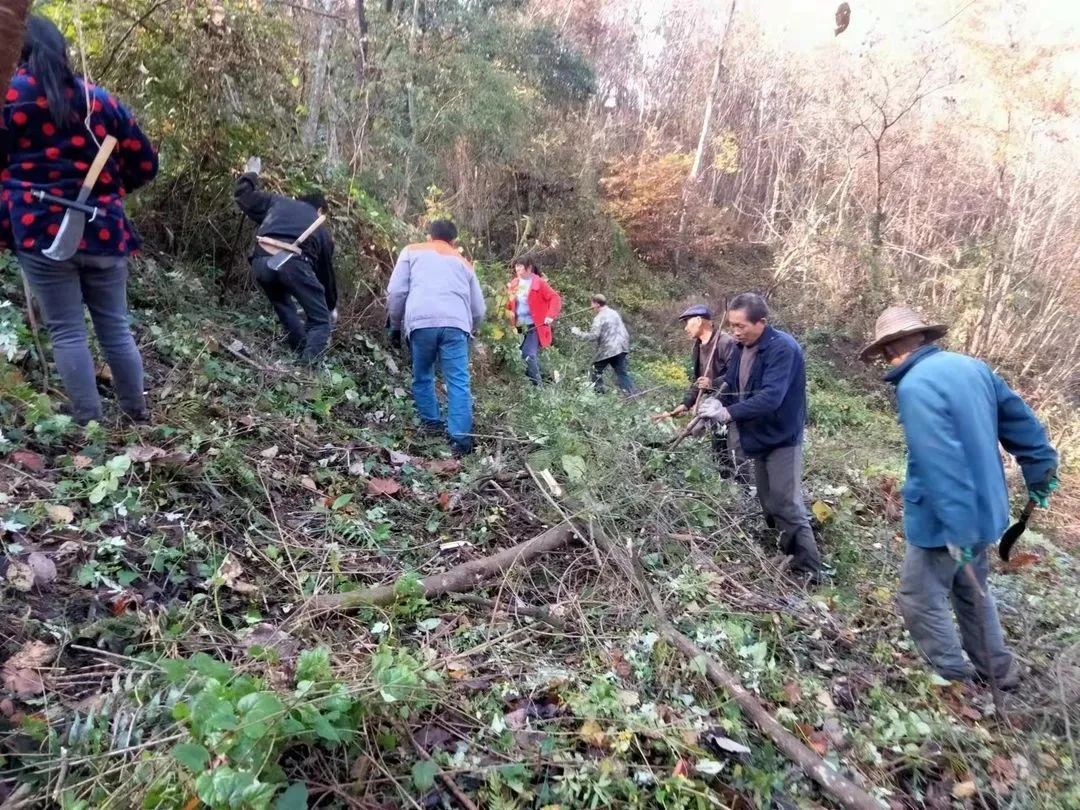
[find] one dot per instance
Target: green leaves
(423, 774)
(294, 798)
(575, 468)
(192, 755)
(314, 665)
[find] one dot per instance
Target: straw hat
(899, 322)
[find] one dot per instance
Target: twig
(548, 497)
(540, 614)
(445, 778)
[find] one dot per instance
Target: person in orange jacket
(534, 305)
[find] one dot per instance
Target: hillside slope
(160, 648)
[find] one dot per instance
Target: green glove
(1041, 493)
(962, 554)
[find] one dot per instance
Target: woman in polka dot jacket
(53, 122)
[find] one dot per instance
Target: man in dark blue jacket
(767, 381)
(955, 413)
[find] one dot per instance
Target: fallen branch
(460, 578)
(442, 776)
(541, 614)
(843, 790)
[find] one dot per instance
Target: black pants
(620, 365)
(296, 283)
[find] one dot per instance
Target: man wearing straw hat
(955, 412)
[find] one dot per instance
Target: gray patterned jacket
(609, 334)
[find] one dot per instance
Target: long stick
(463, 577)
(32, 317)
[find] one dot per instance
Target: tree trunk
(12, 22)
(362, 43)
(318, 76)
(410, 101)
(703, 138)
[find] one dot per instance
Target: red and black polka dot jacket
(36, 154)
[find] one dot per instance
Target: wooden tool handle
(97, 166)
(314, 226)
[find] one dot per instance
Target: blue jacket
(955, 411)
(773, 413)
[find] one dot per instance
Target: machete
(278, 261)
(66, 243)
(1012, 534)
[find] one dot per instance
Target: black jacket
(284, 218)
(720, 360)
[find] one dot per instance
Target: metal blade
(277, 261)
(66, 242)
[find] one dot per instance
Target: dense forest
(237, 606)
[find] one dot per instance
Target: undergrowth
(169, 660)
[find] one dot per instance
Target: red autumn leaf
(29, 461)
(444, 501)
(443, 466)
(792, 693)
(682, 768)
(1021, 560)
(383, 486)
(819, 742)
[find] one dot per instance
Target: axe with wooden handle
(67, 239)
(278, 261)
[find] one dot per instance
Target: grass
(182, 671)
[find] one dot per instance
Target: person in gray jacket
(612, 341)
(435, 299)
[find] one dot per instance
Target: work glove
(254, 165)
(395, 338)
(576, 332)
(334, 315)
(713, 411)
(549, 321)
(1041, 493)
(962, 554)
(698, 426)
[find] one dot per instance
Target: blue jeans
(99, 283)
(530, 353)
(450, 347)
(620, 365)
(297, 280)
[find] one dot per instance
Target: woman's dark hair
(44, 52)
(530, 264)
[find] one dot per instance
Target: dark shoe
(138, 418)
(460, 449)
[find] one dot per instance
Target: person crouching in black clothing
(307, 279)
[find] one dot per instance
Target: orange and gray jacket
(434, 286)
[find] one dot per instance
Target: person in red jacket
(53, 122)
(534, 305)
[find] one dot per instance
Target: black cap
(697, 311)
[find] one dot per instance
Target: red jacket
(544, 302)
(35, 154)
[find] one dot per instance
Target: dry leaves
(270, 452)
(443, 466)
(144, 452)
(592, 733)
(58, 513)
(383, 487)
(1019, 561)
(964, 790)
(229, 574)
(81, 462)
(21, 672)
(792, 693)
(308, 483)
(29, 461)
